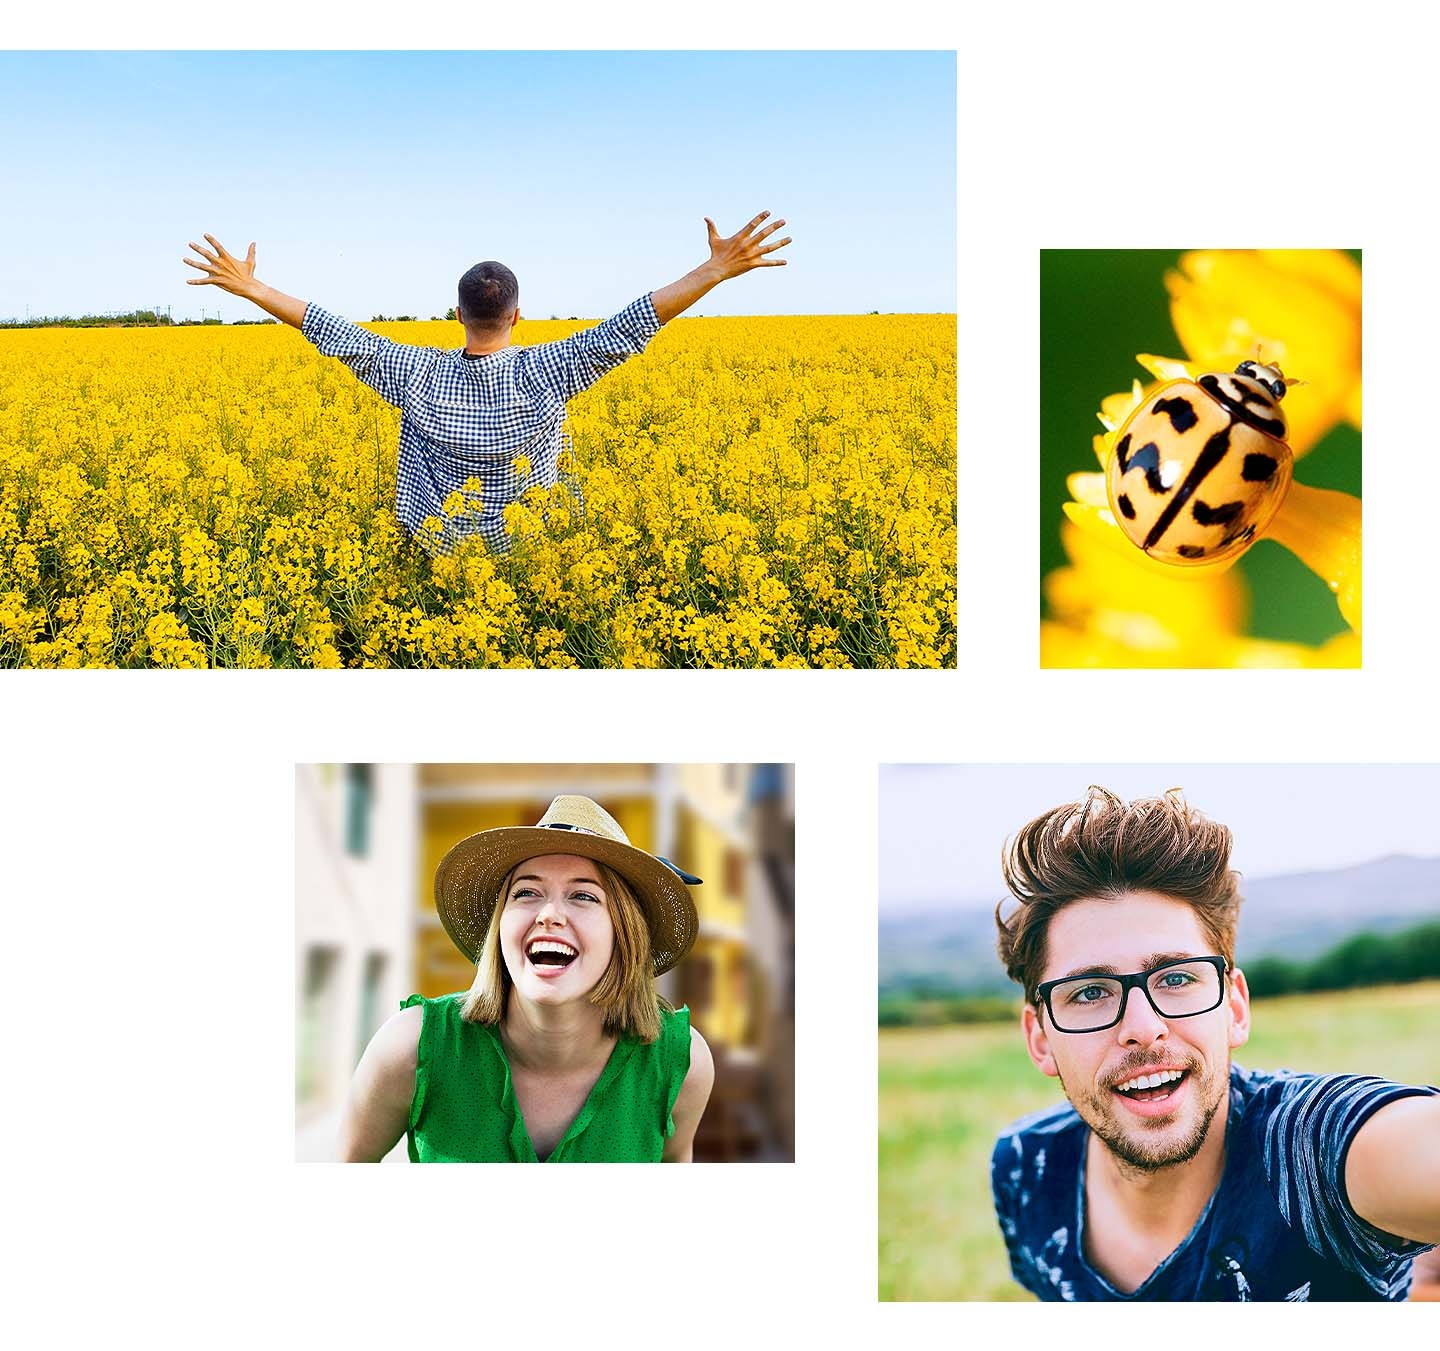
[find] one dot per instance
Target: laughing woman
(561, 1051)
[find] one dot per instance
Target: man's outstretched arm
(237, 276)
(1392, 1171)
(386, 366)
(730, 257)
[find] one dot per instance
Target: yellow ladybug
(1201, 467)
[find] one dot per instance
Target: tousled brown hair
(1105, 847)
(627, 989)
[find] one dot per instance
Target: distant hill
(1297, 915)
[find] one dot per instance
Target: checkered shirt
(467, 418)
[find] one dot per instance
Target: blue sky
(371, 181)
(942, 826)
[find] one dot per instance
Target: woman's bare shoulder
(701, 1076)
(395, 1048)
(381, 1091)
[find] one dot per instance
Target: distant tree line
(928, 1008)
(130, 319)
(1366, 959)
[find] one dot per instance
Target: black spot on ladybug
(1259, 468)
(1127, 508)
(1215, 451)
(1248, 533)
(1221, 515)
(1146, 459)
(1191, 551)
(1180, 411)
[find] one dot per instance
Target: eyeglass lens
(1090, 1002)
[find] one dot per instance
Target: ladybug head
(1267, 375)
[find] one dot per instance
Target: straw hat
(469, 878)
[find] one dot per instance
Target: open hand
(741, 252)
(222, 268)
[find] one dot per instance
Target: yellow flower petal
(1301, 311)
(1115, 408)
(1088, 490)
(1322, 528)
(1330, 269)
(1100, 524)
(1352, 406)
(1341, 652)
(1139, 602)
(1065, 647)
(1170, 368)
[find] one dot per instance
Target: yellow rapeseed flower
(751, 492)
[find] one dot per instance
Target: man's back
(1278, 1226)
(495, 419)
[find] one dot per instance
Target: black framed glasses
(1178, 989)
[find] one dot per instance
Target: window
(359, 801)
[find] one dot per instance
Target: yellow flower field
(756, 492)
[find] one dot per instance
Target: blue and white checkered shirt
(471, 417)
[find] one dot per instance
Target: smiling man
(1173, 1174)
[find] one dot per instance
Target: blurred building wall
(355, 842)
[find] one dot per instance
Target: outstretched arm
(237, 276)
(1392, 1172)
(386, 366)
(730, 257)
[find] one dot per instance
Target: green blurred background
(1098, 308)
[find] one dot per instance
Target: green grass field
(946, 1093)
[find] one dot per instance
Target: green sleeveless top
(464, 1109)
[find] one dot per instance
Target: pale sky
(942, 826)
(371, 180)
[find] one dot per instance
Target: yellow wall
(703, 851)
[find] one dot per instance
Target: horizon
(381, 215)
(61, 320)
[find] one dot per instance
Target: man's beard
(1099, 1113)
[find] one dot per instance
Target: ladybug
(1201, 467)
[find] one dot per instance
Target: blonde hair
(627, 989)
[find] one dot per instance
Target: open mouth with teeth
(550, 956)
(1153, 1093)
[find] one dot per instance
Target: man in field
(1173, 1174)
(486, 411)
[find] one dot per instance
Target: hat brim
(469, 878)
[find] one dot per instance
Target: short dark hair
(1103, 847)
(489, 294)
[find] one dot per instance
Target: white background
(147, 872)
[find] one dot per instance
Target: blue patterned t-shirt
(1278, 1227)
